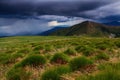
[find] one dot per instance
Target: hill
(45, 33)
(88, 28)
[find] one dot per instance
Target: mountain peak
(89, 22)
(86, 27)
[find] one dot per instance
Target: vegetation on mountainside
(88, 28)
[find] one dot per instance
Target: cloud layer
(35, 16)
(49, 7)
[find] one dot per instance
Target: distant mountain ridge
(113, 23)
(87, 28)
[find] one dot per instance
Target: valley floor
(59, 58)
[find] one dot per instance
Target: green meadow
(59, 58)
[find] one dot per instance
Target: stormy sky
(35, 16)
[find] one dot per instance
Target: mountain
(45, 33)
(113, 23)
(88, 28)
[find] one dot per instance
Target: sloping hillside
(87, 28)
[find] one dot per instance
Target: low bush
(9, 51)
(102, 46)
(63, 69)
(117, 44)
(70, 51)
(54, 74)
(4, 58)
(60, 58)
(86, 50)
(48, 56)
(102, 56)
(50, 75)
(35, 52)
(108, 74)
(25, 50)
(17, 55)
(37, 48)
(9, 58)
(18, 74)
(49, 48)
(79, 62)
(79, 48)
(109, 66)
(33, 60)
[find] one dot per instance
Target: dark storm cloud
(35, 16)
(48, 7)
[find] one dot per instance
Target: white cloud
(54, 17)
(53, 23)
(67, 23)
(55, 20)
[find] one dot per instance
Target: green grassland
(59, 58)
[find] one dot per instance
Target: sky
(19, 17)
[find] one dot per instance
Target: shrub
(86, 50)
(25, 50)
(79, 62)
(9, 51)
(17, 55)
(54, 74)
(48, 56)
(104, 75)
(107, 75)
(60, 58)
(50, 75)
(79, 48)
(37, 48)
(109, 71)
(102, 46)
(117, 44)
(9, 58)
(17, 74)
(70, 51)
(58, 46)
(63, 69)
(4, 58)
(33, 60)
(109, 66)
(75, 43)
(48, 48)
(35, 52)
(102, 56)
(33, 44)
